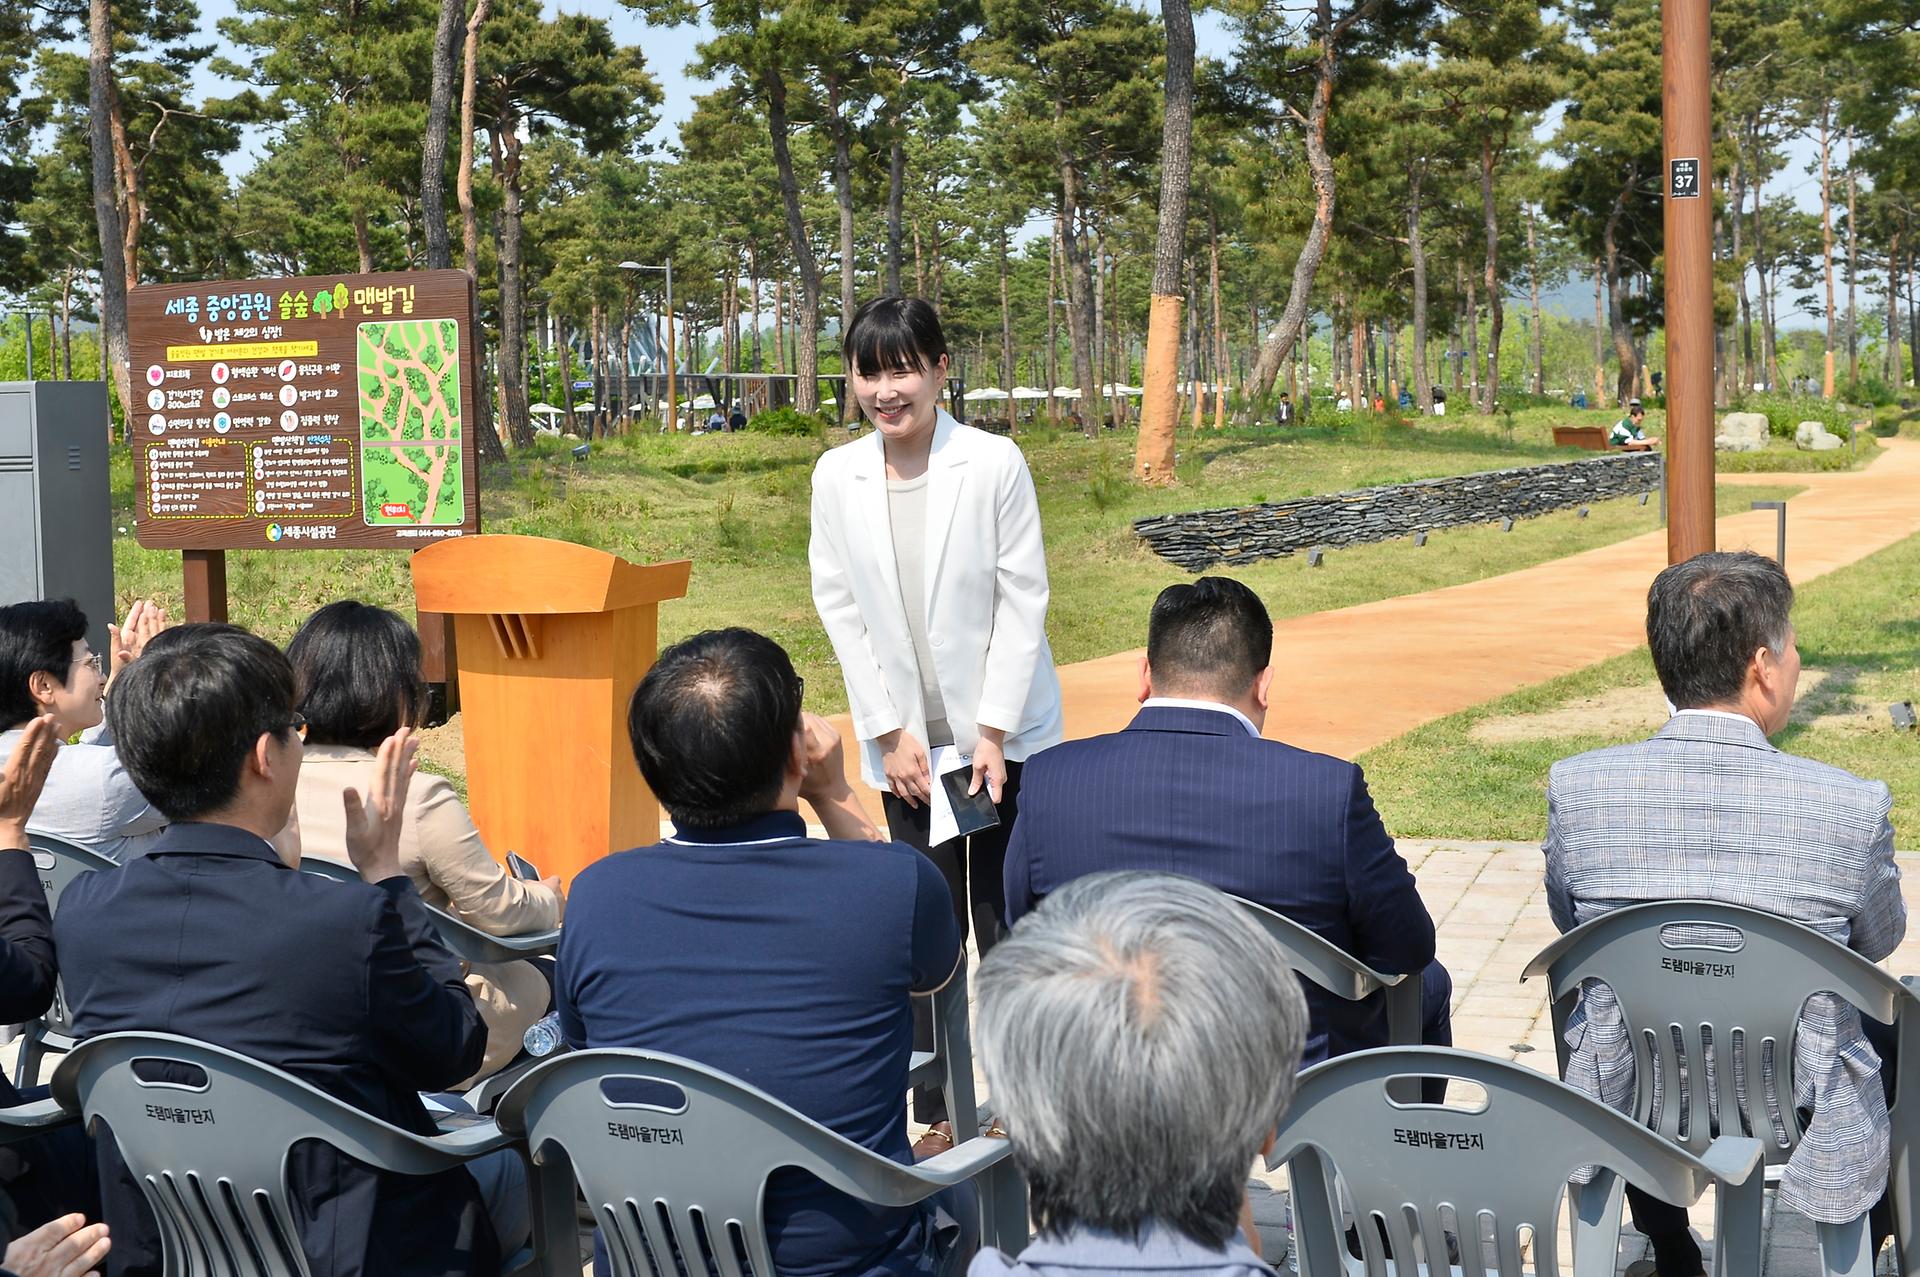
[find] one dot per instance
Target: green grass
(1859, 625)
(738, 506)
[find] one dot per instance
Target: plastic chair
(1424, 1175)
(462, 937)
(1739, 988)
(59, 863)
(1313, 957)
(688, 1174)
(211, 1158)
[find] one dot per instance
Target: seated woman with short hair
(357, 672)
(47, 667)
(1140, 1037)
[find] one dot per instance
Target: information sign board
(328, 410)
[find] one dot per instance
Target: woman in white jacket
(931, 580)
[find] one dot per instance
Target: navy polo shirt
(787, 961)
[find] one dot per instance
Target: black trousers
(974, 867)
(1663, 1221)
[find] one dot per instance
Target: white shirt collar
(1716, 713)
(1175, 702)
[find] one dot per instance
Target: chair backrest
(59, 863)
(1711, 994)
(462, 937)
(1422, 1171)
(210, 1151)
(683, 1166)
(1317, 959)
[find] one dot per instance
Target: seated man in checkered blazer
(1709, 810)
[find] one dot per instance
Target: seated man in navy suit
(211, 935)
(1191, 788)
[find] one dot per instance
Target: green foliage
(1784, 413)
(791, 423)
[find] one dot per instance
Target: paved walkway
(1361, 676)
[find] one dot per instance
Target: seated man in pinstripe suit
(1709, 810)
(1190, 787)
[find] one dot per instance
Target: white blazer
(986, 594)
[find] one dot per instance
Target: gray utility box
(56, 518)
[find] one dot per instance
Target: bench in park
(1592, 438)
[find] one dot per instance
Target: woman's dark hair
(712, 727)
(899, 334)
(185, 715)
(35, 637)
(1707, 616)
(356, 671)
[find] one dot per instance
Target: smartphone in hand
(971, 812)
(521, 867)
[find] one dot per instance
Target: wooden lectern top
(498, 574)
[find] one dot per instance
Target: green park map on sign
(409, 375)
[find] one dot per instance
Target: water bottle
(544, 1037)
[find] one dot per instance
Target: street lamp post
(1687, 120)
(673, 389)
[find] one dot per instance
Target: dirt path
(1355, 678)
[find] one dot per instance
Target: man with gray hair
(1709, 810)
(1140, 1037)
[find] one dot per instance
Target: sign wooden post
(325, 412)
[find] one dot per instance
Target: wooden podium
(552, 638)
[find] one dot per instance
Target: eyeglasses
(298, 726)
(94, 659)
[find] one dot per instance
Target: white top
(984, 587)
(89, 799)
(907, 513)
(1176, 702)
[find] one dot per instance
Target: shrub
(790, 422)
(1784, 413)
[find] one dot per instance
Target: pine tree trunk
(433, 144)
(513, 337)
(1159, 399)
(1496, 306)
(1079, 293)
(1744, 356)
(1417, 252)
(843, 196)
(1895, 365)
(896, 198)
(806, 396)
(1826, 236)
(1006, 334)
(1853, 262)
(1616, 309)
(1053, 323)
(113, 270)
(488, 430)
(1599, 335)
(1473, 342)
(1538, 351)
(1219, 324)
(1307, 265)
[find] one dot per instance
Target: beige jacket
(451, 868)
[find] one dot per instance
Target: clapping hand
(374, 819)
(24, 777)
(128, 640)
(65, 1247)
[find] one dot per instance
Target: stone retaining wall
(1205, 538)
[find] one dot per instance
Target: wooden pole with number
(1687, 126)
